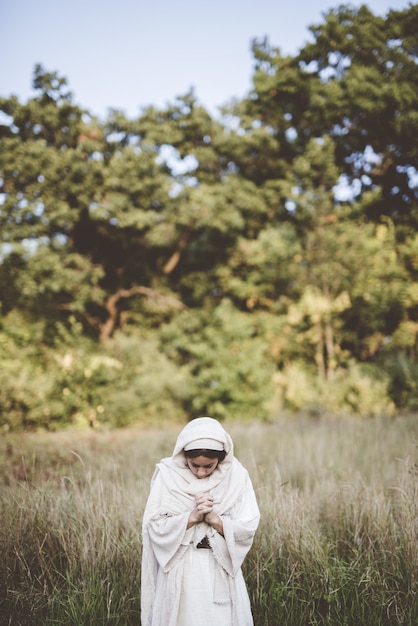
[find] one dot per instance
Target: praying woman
(199, 524)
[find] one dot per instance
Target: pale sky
(128, 54)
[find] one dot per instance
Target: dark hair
(210, 454)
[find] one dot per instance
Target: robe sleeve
(164, 539)
(167, 531)
(168, 535)
(239, 527)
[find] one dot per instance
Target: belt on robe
(204, 543)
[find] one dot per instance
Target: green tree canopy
(237, 266)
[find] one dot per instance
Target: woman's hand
(215, 521)
(203, 506)
(203, 512)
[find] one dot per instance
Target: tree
(281, 237)
(77, 210)
(332, 114)
(356, 83)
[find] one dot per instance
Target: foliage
(187, 264)
(357, 390)
(229, 369)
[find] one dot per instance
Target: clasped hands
(203, 512)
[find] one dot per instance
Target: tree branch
(107, 329)
(175, 257)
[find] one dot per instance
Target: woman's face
(202, 466)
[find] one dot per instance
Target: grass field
(337, 543)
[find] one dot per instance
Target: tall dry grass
(337, 543)
(338, 537)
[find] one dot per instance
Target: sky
(129, 54)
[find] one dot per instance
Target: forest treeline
(180, 264)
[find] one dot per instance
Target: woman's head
(202, 462)
(206, 437)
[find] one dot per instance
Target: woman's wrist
(215, 521)
(195, 517)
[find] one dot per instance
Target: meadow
(337, 542)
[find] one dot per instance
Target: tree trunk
(109, 326)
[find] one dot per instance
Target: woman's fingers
(203, 499)
(205, 506)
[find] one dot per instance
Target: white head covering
(204, 444)
(197, 429)
(203, 433)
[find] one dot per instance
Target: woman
(198, 526)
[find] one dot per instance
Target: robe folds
(182, 585)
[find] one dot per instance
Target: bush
(358, 390)
(227, 361)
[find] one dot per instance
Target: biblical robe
(183, 585)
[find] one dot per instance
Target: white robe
(182, 585)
